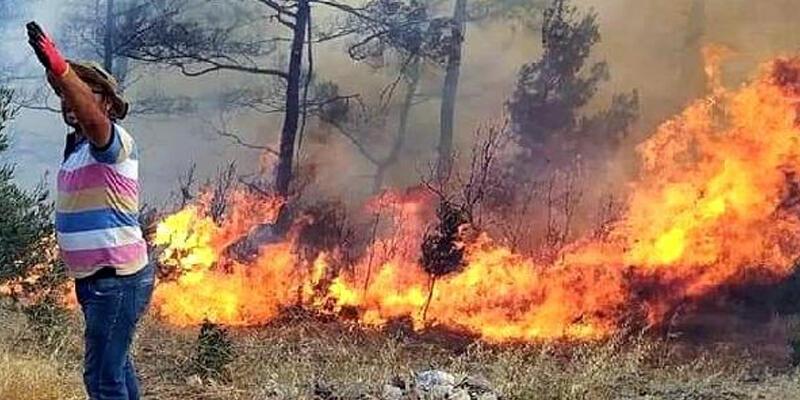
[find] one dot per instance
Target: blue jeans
(112, 305)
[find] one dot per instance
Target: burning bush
(324, 227)
(443, 249)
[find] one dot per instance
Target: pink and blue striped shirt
(97, 208)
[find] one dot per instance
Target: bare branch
(277, 7)
(38, 107)
(240, 142)
(175, 60)
(223, 131)
(358, 145)
(357, 11)
(231, 67)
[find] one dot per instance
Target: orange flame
(707, 209)
(195, 244)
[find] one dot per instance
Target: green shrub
(214, 353)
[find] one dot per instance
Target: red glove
(46, 51)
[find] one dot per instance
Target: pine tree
(25, 215)
(545, 108)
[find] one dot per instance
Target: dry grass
(33, 370)
(285, 360)
(29, 378)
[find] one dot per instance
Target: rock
(426, 380)
(271, 390)
(194, 381)
(435, 385)
(476, 384)
(359, 391)
(391, 393)
(324, 391)
(404, 382)
(438, 385)
(458, 394)
(440, 392)
(479, 388)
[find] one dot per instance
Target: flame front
(709, 209)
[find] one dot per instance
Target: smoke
(650, 46)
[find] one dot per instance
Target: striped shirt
(97, 209)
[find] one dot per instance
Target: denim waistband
(111, 272)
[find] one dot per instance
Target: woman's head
(102, 84)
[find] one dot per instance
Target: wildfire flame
(708, 209)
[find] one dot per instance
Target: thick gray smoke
(650, 46)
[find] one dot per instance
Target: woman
(97, 226)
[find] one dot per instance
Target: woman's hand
(46, 51)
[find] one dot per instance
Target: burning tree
(691, 78)
(421, 39)
(545, 107)
(559, 144)
(404, 33)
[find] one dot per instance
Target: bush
(49, 320)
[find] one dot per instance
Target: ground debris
(327, 391)
(439, 385)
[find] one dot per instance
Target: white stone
(194, 381)
(458, 394)
(428, 379)
(391, 393)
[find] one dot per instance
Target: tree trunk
(431, 287)
(127, 15)
(292, 115)
(450, 88)
(692, 76)
(108, 40)
(400, 139)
